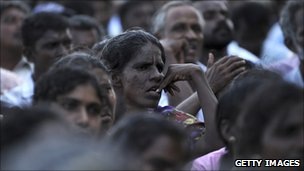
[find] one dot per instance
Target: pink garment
(210, 161)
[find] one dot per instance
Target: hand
(220, 73)
(178, 72)
(175, 49)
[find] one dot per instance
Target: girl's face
(141, 78)
(283, 137)
(83, 108)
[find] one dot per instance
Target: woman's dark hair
(134, 134)
(63, 80)
(119, 50)
(20, 124)
(81, 60)
(231, 102)
(271, 100)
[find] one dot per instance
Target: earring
(232, 139)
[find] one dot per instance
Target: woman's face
(83, 108)
(141, 78)
(284, 135)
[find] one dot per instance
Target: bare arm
(207, 101)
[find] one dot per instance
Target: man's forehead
(211, 5)
(181, 11)
(56, 34)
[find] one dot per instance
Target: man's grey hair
(159, 19)
(287, 18)
(22, 6)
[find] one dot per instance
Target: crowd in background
(151, 85)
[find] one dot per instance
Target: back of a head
(138, 131)
(269, 102)
(231, 102)
(20, 124)
(251, 14)
(36, 25)
(120, 49)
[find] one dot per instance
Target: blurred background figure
(85, 31)
(12, 14)
(218, 28)
(136, 14)
(46, 38)
(146, 141)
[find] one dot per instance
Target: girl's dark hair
(271, 100)
(231, 102)
(119, 50)
(81, 60)
(61, 81)
(135, 134)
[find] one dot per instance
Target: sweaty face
(164, 154)
(49, 48)
(218, 26)
(83, 108)
(141, 78)
(183, 23)
(86, 38)
(10, 27)
(283, 137)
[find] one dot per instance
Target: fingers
(237, 71)
(236, 65)
(210, 60)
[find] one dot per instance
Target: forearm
(190, 105)
(179, 97)
(208, 103)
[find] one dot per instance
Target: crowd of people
(151, 85)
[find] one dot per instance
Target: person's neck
(10, 57)
(218, 53)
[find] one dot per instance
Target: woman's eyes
(143, 67)
(94, 109)
(69, 105)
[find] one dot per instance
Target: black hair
(4, 5)
(271, 100)
(83, 22)
(252, 13)
(35, 26)
(119, 50)
(287, 17)
(18, 124)
(231, 102)
(63, 80)
(82, 60)
(134, 134)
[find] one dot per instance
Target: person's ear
(116, 80)
(227, 132)
(289, 44)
